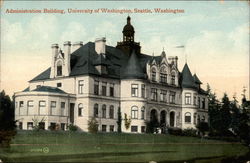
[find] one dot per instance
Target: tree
(119, 121)
(213, 111)
(7, 122)
(93, 125)
(225, 115)
(202, 127)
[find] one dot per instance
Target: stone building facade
(95, 80)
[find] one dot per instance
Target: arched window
(104, 111)
(195, 116)
(59, 68)
(134, 112)
(143, 112)
(153, 74)
(96, 110)
(203, 118)
(187, 117)
(163, 75)
(80, 109)
(111, 112)
(173, 78)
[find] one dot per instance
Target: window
(195, 116)
(59, 84)
(80, 86)
(96, 110)
(30, 105)
(203, 103)
(153, 74)
(62, 108)
(134, 90)
(203, 118)
(143, 129)
(63, 126)
(38, 86)
(104, 111)
(163, 75)
(52, 126)
(194, 103)
(143, 113)
(59, 69)
(41, 125)
(20, 126)
(134, 112)
(153, 94)
(96, 87)
(188, 98)
(104, 128)
(173, 78)
(80, 110)
(111, 128)
(104, 88)
(199, 102)
(163, 96)
(20, 103)
(111, 112)
(42, 107)
(172, 97)
(53, 108)
(29, 125)
(111, 90)
(143, 91)
(134, 128)
(187, 117)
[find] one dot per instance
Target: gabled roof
(49, 89)
(133, 69)
(196, 79)
(187, 78)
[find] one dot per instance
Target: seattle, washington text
(95, 11)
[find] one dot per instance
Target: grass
(83, 147)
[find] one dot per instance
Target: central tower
(128, 44)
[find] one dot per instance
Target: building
(95, 80)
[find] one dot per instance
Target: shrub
(72, 127)
(93, 125)
(202, 127)
(189, 132)
(174, 131)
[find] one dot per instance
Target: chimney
(55, 52)
(100, 45)
(174, 60)
(67, 52)
(77, 45)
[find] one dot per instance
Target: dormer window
(173, 78)
(163, 75)
(59, 69)
(153, 74)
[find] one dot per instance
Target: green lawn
(83, 147)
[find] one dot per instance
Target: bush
(93, 125)
(202, 127)
(72, 127)
(175, 131)
(189, 132)
(5, 137)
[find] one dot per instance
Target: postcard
(124, 81)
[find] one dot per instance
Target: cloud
(11, 33)
(109, 30)
(74, 32)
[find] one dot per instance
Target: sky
(215, 36)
